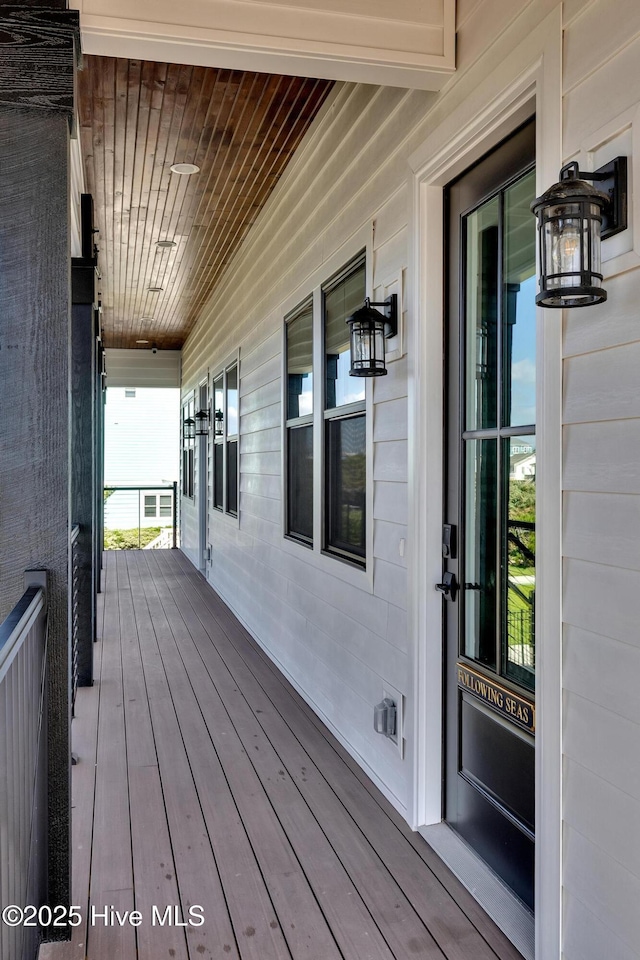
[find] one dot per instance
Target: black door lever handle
(448, 587)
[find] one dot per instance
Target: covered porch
(204, 780)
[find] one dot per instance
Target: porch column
(38, 47)
(84, 332)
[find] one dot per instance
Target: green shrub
(128, 539)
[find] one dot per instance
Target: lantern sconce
(217, 424)
(573, 217)
(189, 429)
(202, 423)
(368, 330)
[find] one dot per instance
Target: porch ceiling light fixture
(573, 217)
(184, 169)
(218, 428)
(189, 428)
(155, 289)
(368, 330)
(166, 244)
(202, 423)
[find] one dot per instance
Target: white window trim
(528, 78)
(329, 563)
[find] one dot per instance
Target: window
(339, 432)
(218, 442)
(188, 410)
(225, 441)
(151, 505)
(345, 475)
(299, 425)
(232, 418)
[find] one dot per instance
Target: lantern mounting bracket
(390, 318)
(612, 180)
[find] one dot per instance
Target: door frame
(489, 103)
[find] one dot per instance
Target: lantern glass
(367, 346)
(202, 423)
(218, 428)
(570, 224)
(189, 429)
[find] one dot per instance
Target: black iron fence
(73, 614)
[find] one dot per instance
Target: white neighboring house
(142, 429)
(523, 466)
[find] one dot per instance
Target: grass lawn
(128, 539)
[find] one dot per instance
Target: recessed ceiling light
(166, 243)
(154, 289)
(142, 341)
(186, 169)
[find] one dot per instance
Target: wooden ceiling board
(136, 119)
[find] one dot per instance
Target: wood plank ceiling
(137, 118)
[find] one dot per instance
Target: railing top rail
(152, 486)
(17, 625)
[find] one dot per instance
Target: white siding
(143, 368)
(602, 520)
(141, 437)
(338, 633)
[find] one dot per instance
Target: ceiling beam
(408, 43)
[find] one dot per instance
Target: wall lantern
(217, 424)
(368, 329)
(189, 428)
(573, 217)
(202, 423)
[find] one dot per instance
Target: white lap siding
(602, 521)
(340, 635)
(338, 642)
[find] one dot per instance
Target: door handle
(449, 586)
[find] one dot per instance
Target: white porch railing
(23, 764)
(164, 540)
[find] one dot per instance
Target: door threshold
(505, 909)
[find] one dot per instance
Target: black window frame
(297, 423)
(331, 542)
(226, 446)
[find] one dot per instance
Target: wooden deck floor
(204, 779)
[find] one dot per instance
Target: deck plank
(443, 915)
(296, 909)
(353, 887)
(248, 902)
(195, 865)
(111, 863)
(204, 778)
(153, 865)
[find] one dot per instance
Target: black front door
(489, 533)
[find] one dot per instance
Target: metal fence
(134, 514)
(23, 765)
(73, 615)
